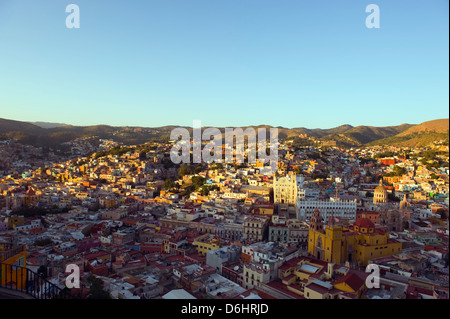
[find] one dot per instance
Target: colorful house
(206, 243)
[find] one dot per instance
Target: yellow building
(255, 274)
(14, 221)
(285, 190)
(357, 244)
(259, 164)
(265, 210)
(351, 284)
(12, 266)
(205, 243)
(31, 197)
(298, 272)
(109, 202)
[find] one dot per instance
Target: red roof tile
(352, 280)
(364, 222)
(317, 288)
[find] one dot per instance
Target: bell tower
(316, 221)
(315, 234)
(404, 203)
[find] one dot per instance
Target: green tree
(198, 169)
(396, 171)
(205, 190)
(216, 166)
(169, 184)
(167, 163)
(184, 170)
(197, 181)
(43, 242)
(97, 290)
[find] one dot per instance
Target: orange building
(374, 217)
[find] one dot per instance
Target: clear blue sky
(286, 63)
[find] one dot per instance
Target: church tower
(316, 236)
(316, 221)
(404, 203)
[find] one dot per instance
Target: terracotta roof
(364, 222)
(317, 288)
(352, 280)
(289, 277)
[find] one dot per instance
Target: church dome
(380, 188)
(380, 194)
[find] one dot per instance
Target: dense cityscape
(141, 227)
(224, 158)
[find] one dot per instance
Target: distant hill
(413, 140)
(436, 126)
(48, 124)
(419, 135)
(18, 126)
(24, 132)
(53, 134)
(28, 133)
(367, 134)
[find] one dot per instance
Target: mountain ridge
(344, 135)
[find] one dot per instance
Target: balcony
(17, 282)
(22, 283)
